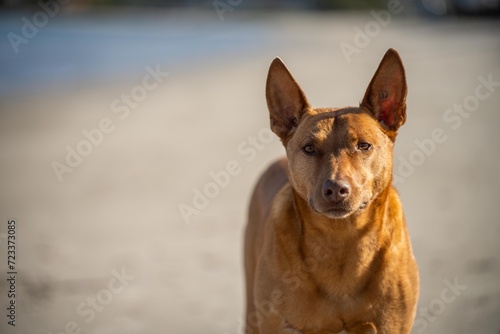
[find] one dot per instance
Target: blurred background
(132, 132)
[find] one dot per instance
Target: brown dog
(326, 246)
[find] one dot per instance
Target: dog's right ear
(285, 100)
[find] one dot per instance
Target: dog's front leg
(364, 328)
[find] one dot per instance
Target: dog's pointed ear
(385, 97)
(285, 100)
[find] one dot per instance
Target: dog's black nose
(336, 191)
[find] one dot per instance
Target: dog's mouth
(338, 211)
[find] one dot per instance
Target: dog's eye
(362, 146)
(309, 149)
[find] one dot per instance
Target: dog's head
(340, 159)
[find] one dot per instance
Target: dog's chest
(314, 307)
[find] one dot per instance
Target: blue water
(77, 48)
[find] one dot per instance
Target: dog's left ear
(385, 97)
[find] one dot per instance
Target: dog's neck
(319, 233)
